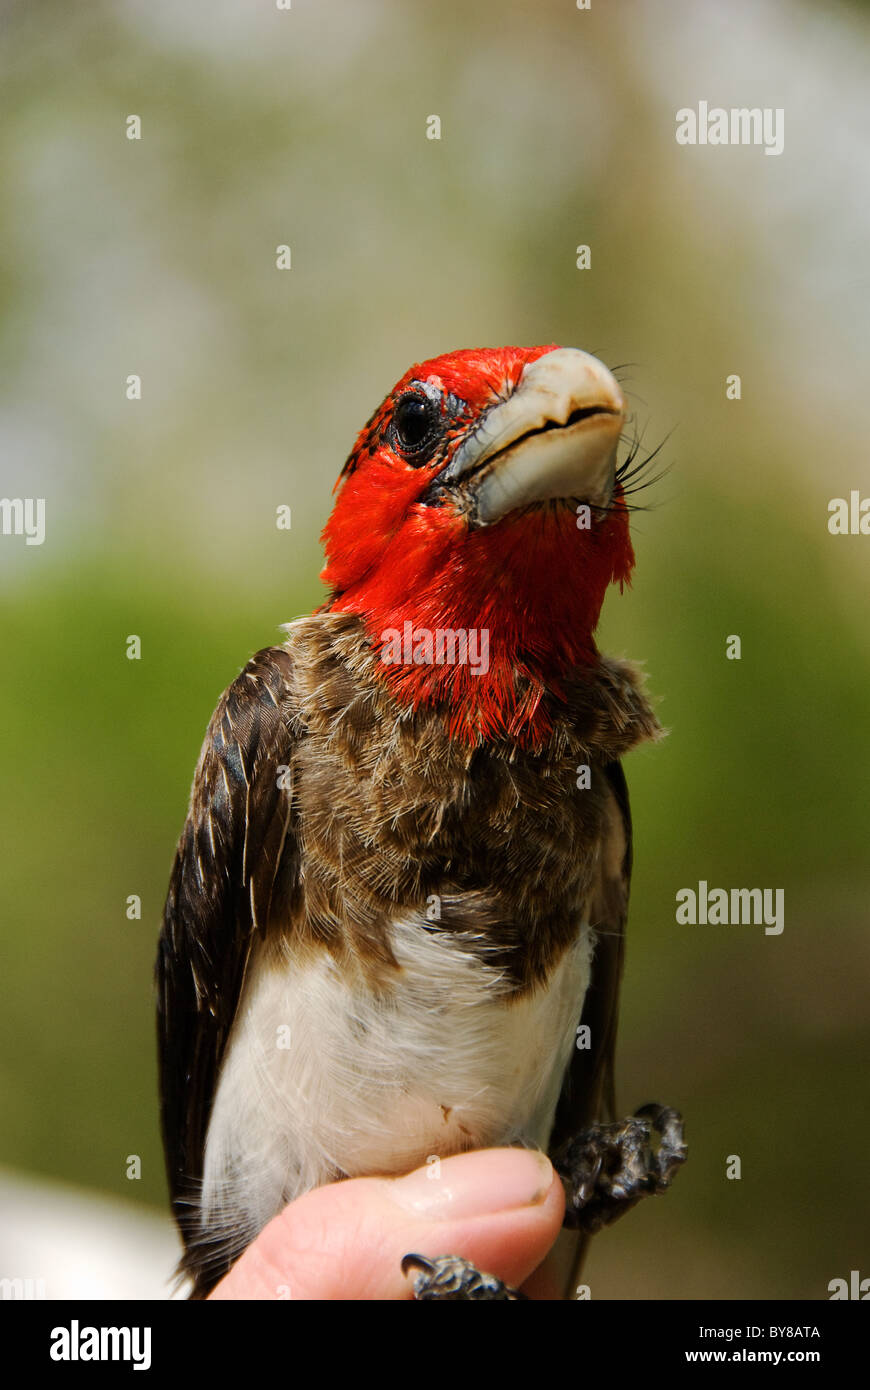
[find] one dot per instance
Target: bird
(395, 922)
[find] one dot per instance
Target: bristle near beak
(555, 436)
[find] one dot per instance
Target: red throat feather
(534, 581)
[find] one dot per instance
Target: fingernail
(476, 1184)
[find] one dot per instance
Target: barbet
(395, 923)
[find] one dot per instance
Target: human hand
(499, 1208)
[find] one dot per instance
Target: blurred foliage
(157, 257)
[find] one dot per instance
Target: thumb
(499, 1208)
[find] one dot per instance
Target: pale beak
(554, 437)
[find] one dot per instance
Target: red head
(481, 498)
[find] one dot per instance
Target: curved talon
(451, 1277)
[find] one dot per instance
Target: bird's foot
(606, 1169)
(451, 1277)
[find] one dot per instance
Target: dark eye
(414, 420)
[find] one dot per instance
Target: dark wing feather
(588, 1089)
(588, 1092)
(220, 896)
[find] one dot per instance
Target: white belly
(324, 1079)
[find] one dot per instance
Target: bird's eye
(414, 420)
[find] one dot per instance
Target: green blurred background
(157, 257)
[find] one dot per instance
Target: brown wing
(220, 895)
(588, 1089)
(588, 1093)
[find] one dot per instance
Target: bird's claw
(451, 1277)
(606, 1169)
